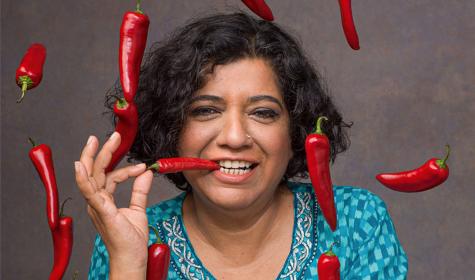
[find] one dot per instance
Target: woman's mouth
(234, 171)
(234, 167)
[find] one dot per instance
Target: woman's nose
(234, 133)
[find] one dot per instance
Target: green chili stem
(154, 166)
(442, 163)
(159, 241)
(318, 128)
(26, 82)
(138, 7)
(122, 103)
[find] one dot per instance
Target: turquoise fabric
(369, 247)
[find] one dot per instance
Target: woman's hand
(123, 230)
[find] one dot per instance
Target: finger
(82, 180)
(104, 157)
(90, 193)
(120, 175)
(88, 153)
(140, 190)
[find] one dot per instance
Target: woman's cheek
(196, 136)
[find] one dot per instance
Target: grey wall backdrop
(409, 91)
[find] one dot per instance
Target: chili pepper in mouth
(158, 259)
(328, 266)
(30, 72)
(179, 164)
(63, 245)
(127, 126)
(317, 150)
(260, 8)
(348, 24)
(133, 39)
(431, 174)
(42, 159)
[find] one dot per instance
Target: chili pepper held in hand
(328, 266)
(42, 159)
(179, 164)
(317, 149)
(431, 174)
(158, 259)
(348, 25)
(260, 8)
(133, 38)
(127, 128)
(63, 245)
(30, 71)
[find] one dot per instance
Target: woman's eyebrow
(206, 97)
(257, 98)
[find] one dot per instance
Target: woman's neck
(242, 233)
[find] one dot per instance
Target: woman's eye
(203, 111)
(266, 114)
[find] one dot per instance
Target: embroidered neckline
(187, 265)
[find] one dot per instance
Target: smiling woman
(237, 91)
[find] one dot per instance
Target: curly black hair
(177, 67)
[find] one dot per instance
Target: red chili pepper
(133, 38)
(158, 259)
(433, 173)
(260, 8)
(328, 266)
(127, 128)
(348, 24)
(63, 245)
(30, 71)
(317, 149)
(179, 164)
(42, 159)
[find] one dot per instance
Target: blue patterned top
(368, 245)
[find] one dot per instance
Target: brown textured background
(409, 90)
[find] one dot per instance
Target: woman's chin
(232, 199)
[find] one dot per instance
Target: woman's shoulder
(166, 209)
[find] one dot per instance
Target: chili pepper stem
(122, 103)
(32, 141)
(61, 214)
(159, 240)
(154, 166)
(318, 127)
(25, 83)
(441, 163)
(138, 7)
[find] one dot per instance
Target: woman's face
(238, 119)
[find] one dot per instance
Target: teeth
(234, 171)
(235, 164)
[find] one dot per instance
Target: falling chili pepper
(328, 266)
(158, 259)
(127, 128)
(30, 71)
(317, 149)
(179, 164)
(133, 38)
(431, 174)
(42, 159)
(63, 245)
(260, 8)
(348, 25)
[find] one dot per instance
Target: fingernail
(114, 135)
(140, 166)
(89, 140)
(76, 166)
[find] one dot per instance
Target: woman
(238, 91)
